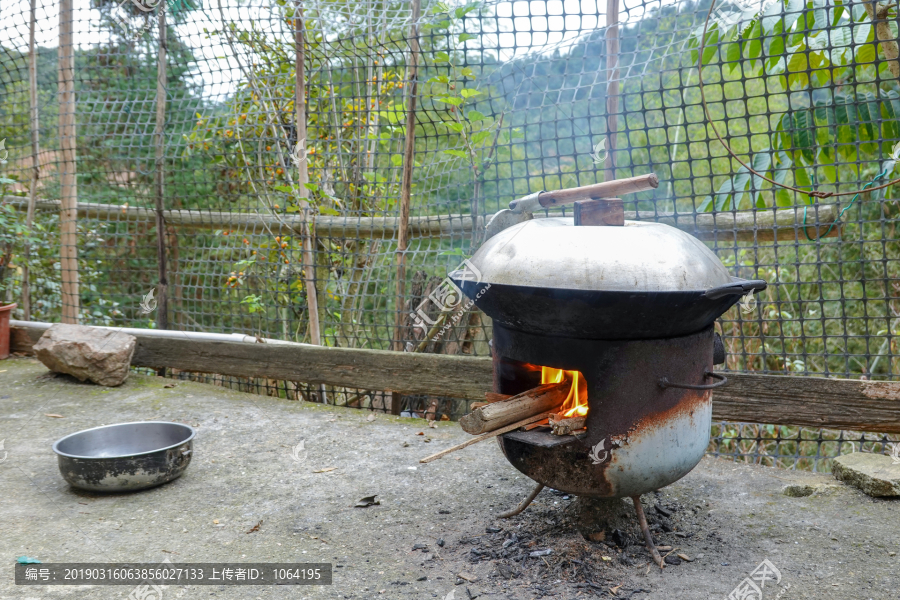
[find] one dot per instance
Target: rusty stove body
(640, 435)
(632, 308)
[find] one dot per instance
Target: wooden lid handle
(606, 189)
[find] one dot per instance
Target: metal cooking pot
(643, 280)
(125, 457)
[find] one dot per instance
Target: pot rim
(67, 455)
(8, 307)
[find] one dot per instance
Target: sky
(521, 27)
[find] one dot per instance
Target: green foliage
(834, 111)
(451, 89)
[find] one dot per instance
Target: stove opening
(576, 403)
(513, 377)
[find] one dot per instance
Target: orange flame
(576, 404)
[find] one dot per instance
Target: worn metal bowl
(125, 457)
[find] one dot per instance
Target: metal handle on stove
(737, 287)
(722, 380)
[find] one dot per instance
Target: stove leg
(644, 528)
(524, 504)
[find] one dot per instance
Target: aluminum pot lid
(642, 256)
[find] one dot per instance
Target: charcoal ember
(673, 560)
(478, 554)
(506, 571)
(667, 526)
(619, 538)
(664, 511)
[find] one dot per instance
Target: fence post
(406, 186)
(612, 86)
(309, 262)
(162, 307)
(35, 152)
(68, 209)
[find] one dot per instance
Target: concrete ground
(836, 544)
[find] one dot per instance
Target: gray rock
(87, 353)
(802, 490)
(798, 490)
(874, 474)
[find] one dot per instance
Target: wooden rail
(355, 227)
(408, 372)
(783, 224)
(771, 399)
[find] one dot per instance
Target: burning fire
(576, 404)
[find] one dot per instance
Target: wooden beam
(68, 181)
(409, 153)
(602, 212)
(159, 142)
(326, 226)
(809, 401)
(783, 224)
(306, 231)
(771, 399)
(765, 225)
(34, 128)
(612, 87)
(407, 372)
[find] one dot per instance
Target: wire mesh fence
(761, 119)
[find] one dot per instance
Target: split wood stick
(542, 423)
(567, 426)
(486, 436)
(541, 399)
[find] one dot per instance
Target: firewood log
(566, 426)
(489, 397)
(535, 401)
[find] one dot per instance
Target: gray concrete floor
(835, 544)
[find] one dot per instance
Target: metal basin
(125, 457)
